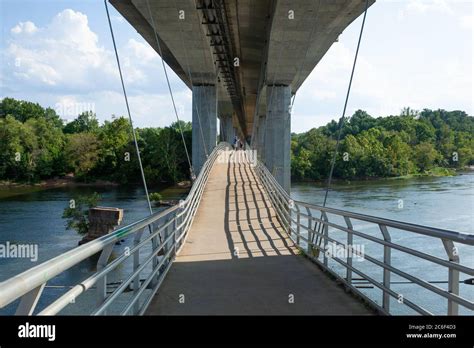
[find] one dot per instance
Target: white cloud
(426, 6)
(65, 66)
(67, 55)
(118, 19)
(24, 27)
(141, 51)
(467, 22)
(64, 54)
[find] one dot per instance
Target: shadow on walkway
(238, 260)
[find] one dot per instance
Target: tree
(359, 122)
(85, 122)
(77, 214)
(116, 148)
(49, 153)
(23, 110)
(82, 152)
(425, 156)
(18, 150)
(165, 159)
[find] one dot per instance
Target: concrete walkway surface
(238, 260)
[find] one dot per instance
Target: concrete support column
(227, 128)
(278, 134)
(205, 111)
(260, 138)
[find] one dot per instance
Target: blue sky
(416, 53)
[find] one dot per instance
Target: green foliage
(426, 156)
(165, 157)
(85, 122)
(411, 143)
(34, 145)
(23, 110)
(82, 153)
(77, 214)
(18, 149)
(155, 197)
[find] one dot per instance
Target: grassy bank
(434, 172)
(11, 188)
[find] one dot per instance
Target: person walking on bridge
(236, 142)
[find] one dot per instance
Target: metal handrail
(319, 219)
(169, 226)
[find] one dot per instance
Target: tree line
(35, 144)
(426, 142)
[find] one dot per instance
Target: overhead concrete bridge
(239, 244)
(243, 60)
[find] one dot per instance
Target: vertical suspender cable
(128, 109)
(169, 88)
(341, 120)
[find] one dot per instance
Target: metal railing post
(102, 282)
(155, 243)
(350, 241)
(387, 260)
(453, 275)
(175, 231)
(310, 235)
(29, 301)
(326, 235)
(298, 221)
(136, 264)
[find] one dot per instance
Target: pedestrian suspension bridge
(239, 244)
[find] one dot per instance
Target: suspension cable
(128, 109)
(191, 81)
(191, 170)
(342, 119)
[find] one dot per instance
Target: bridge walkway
(237, 259)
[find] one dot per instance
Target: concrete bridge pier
(259, 140)
(227, 128)
(278, 134)
(204, 111)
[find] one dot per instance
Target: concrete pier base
(102, 220)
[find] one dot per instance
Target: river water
(445, 202)
(442, 202)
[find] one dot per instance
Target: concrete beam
(204, 124)
(278, 134)
(302, 32)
